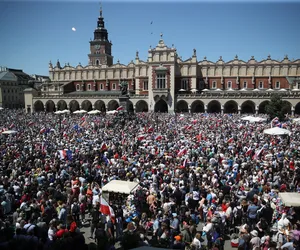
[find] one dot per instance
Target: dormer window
(261, 85)
(245, 85)
(113, 86)
(277, 85)
(101, 86)
(78, 87)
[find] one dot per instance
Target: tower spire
(100, 9)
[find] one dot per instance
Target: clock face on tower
(97, 46)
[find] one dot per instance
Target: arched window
(97, 62)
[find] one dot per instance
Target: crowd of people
(202, 178)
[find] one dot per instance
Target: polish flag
(141, 137)
(11, 126)
(230, 140)
(189, 127)
(106, 209)
(120, 108)
(158, 138)
(43, 130)
(83, 124)
(194, 121)
(258, 153)
(62, 154)
(182, 152)
(30, 123)
(181, 118)
(150, 130)
(249, 151)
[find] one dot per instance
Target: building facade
(12, 84)
(166, 83)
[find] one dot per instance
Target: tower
(100, 47)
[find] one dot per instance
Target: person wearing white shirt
(196, 242)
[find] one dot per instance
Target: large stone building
(166, 83)
(12, 84)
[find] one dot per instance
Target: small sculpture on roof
(194, 52)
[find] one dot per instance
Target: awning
(117, 186)
(290, 199)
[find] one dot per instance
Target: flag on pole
(62, 154)
(120, 108)
(106, 209)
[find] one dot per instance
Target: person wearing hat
(178, 244)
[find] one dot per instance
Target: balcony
(160, 92)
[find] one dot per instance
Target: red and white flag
(62, 154)
(258, 153)
(230, 140)
(120, 108)
(249, 151)
(106, 209)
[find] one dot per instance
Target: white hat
(254, 233)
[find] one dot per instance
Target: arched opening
(74, 105)
(141, 106)
(87, 105)
(182, 107)
(262, 107)
(50, 106)
(197, 107)
(100, 105)
(161, 106)
(97, 62)
(214, 107)
(130, 107)
(230, 107)
(61, 105)
(113, 105)
(287, 107)
(248, 107)
(297, 109)
(38, 106)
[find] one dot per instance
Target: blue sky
(33, 33)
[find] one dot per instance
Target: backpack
(239, 214)
(75, 209)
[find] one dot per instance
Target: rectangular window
(89, 86)
(145, 87)
(161, 81)
(114, 86)
(277, 85)
(78, 87)
(245, 85)
(45, 88)
(298, 85)
(229, 85)
(185, 84)
(55, 88)
(214, 85)
(101, 86)
(261, 85)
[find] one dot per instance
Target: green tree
(277, 107)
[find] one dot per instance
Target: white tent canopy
(82, 111)
(117, 186)
(290, 199)
(9, 132)
(94, 112)
(253, 119)
(277, 131)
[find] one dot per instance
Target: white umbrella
(282, 90)
(58, 112)
(277, 131)
(182, 90)
(256, 90)
(218, 89)
(82, 111)
(94, 112)
(194, 90)
(205, 90)
(295, 89)
(66, 111)
(243, 89)
(230, 89)
(111, 112)
(9, 132)
(1, 108)
(270, 90)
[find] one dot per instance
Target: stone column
(239, 109)
(222, 109)
(293, 110)
(256, 109)
(205, 108)
(190, 108)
